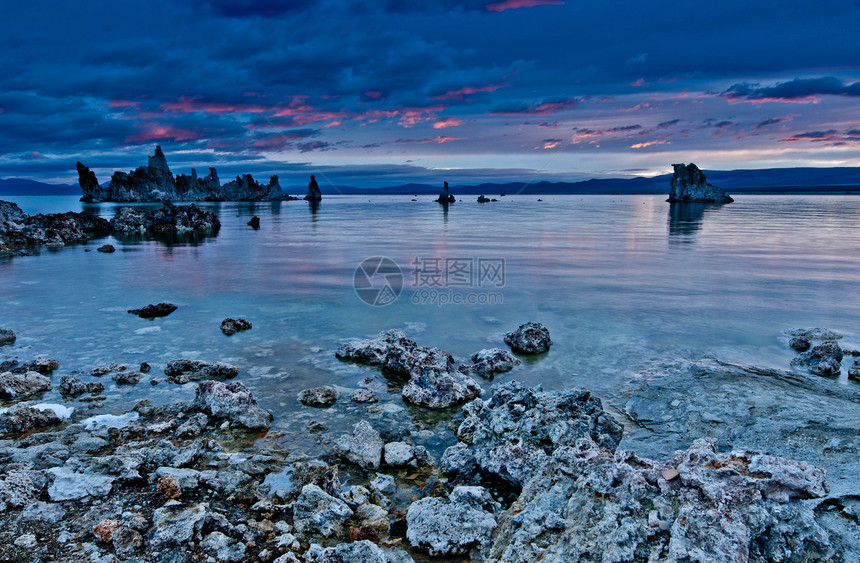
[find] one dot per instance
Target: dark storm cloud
(798, 89)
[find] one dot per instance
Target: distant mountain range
(770, 180)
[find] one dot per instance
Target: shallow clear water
(620, 281)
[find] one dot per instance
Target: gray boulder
(176, 524)
(324, 396)
(232, 401)
(490, 361)
(71, 386)
(363, 447)
(529, 338)
(823, 359)
(587, 504)
(7, 337)
(22, 385)
(854, 371)
(19, 419)
(516, 432)
(316, 512)
(690, 186)
(231, 326)
(453, 526)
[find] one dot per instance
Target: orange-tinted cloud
(156, 131)
(423, 141)
(649, 143)
(465, 91)
(448, 122)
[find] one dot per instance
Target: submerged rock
(153, 311)
(815, 333)
(7, 337)
(232, 401)
(491, 361)
(800, 343)
(183, 371)
(107, 248)
(586, 504)
(513, 434)
(324, 396)
(823, 359)
(453, 526)
(232, 326)
(690, 186)
(433, 380)
(22, 385)
(254, 223)
(529, 338)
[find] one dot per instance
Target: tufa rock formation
(155, 182)
(445, 197)
(690, 186)
(314, 193)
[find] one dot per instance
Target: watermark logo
(437, 281)
(378, 281)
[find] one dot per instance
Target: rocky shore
(534, 475)
(19, 230)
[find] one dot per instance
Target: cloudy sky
(387, 92)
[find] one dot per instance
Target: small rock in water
(104, 370)
(232, 326)
(854, 371)
(254, 223)
(183, 371)
(7, 336)
(529, 338)
(145, 367)
(824, 359)
(489, 362)
(800, 343)
(127, 377)
(815, 333)
(108, 248)
(324, 396)
(153, 311)
(364, 396)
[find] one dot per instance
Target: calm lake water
(620, 281)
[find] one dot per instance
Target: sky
(373, 94)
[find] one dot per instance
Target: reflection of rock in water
(314, 206)
(685, 219)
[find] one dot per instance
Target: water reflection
(685, 219)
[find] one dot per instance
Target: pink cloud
(122, 104)
(639, 83)
(465, 91)
(155, 131)
(448, 122)
(423, 141)
(649, 143)
(190, 105)
(514, 4)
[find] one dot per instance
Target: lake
(621, 282)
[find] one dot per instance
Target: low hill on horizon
(769, 180)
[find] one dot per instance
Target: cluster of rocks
(18, 229)
(824, 358)
(56, 229)
(168, 220)
(155, 182)
(366, 448)
(690, 186)
(433, 380)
